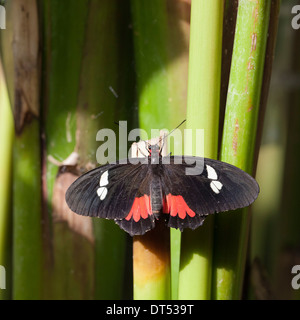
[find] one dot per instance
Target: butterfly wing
(219, 187)
(122, 192)
(115, 191)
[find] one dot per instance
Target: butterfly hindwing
(219, 187)
(140, 218)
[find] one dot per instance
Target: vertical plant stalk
(69, 238)
(151, 263)
(161, 47)
(27, 231)
(202, 113)
(20, 46)
(161, 54)
(238, 144)
(7, 135)
(98, 102)
(178, 34)
(84, 92)
(151, 254)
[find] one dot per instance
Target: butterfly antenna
(170, 133)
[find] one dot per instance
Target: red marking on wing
(175, 205)
(141, 207)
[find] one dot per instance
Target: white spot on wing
(211, 173)
(102, 192)
(216, 186)
(104, 179)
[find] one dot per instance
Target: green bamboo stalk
(151, 263)
(20, 52)
(27, 231)
(175, 248)
(100, 103)
(160, 106)
(161, 65)
(63, 27)
(7, 135)
(152, 95)
(68, 249)
(202, 113)
(85, 94)
(238, 144)
(178, 15)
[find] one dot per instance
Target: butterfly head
(153, 149)
(154, 152)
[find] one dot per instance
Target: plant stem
(7, 135)
(69, 249)
(238, 144)
(202, 113)
(84, 93)
(99, 105)
(161, 67)
(20, 53)
(151, 260)
(27, 231)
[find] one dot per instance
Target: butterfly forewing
(105, 192)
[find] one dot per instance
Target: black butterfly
(136, 195)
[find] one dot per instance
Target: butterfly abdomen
(156, 195)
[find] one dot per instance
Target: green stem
(202, 113)
(63, 27)
(100, 99)
(151, 56)
(238, 144)
(84, 92)
(27, 228)
(67, 251)
(20, 53)
(7, 135)
(161, 65)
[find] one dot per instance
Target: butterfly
(137, 193)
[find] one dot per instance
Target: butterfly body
(143, 190)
